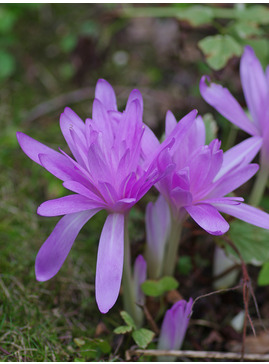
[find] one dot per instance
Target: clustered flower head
(204, 175)
(117, 159)
(109, 171)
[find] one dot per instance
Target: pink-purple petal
(247, 213)
(222, 100)
(32, 148)
(208, 218)
(231, 181)
(170, 123)
(255, 86)
(67, 205)
(54, 251)
(59, 166)
(106, 94)
(109, 262)
(243, 152)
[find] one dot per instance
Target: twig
(200, 354)
(212, 293)
(151, 321)
(246, 289)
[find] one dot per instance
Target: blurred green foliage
(235, 26)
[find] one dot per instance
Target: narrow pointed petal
(32, 148)
(200, 132)
(247, 213)
(110, 262)
(149, 145)
(243, 152)
(82, 190)
(255, 86)
(208, 218)
(66, 205)
(101, 121)
(231, 181)
(224, 200)
(54, 251)
(181, 130)
(105, 93)
(170, 123)
(135, 95)
(59, 166)
(222, 100)
(70, 121)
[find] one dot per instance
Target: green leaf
(252, 242)
(263, 278)
(158, 288)
(127, 319)
(256, 14)
(123, 329)
(244, 29)
(196, 15)
(143, 337)
(211, 127)
(7, 63)
(218, 49)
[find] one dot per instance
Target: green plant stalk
(129, 303)
(172, 248)
(259, 186)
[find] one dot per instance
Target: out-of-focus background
(51, 56)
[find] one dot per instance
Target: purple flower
(256, 90)
(174, 326)
(110, 171)
(204, 175)
(158, 224)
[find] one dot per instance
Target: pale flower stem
(172, 248)
(129, 303)
(259, 186)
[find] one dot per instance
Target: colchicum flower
(174, 326)
(110, 171)
(204, 175)
(255, 85)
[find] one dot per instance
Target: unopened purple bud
(175, 325)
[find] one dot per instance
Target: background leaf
(123, 329)
(263, 278)
(158, 288)
(218, 49)
(143, 337)
(252, 242)
(127, 319)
